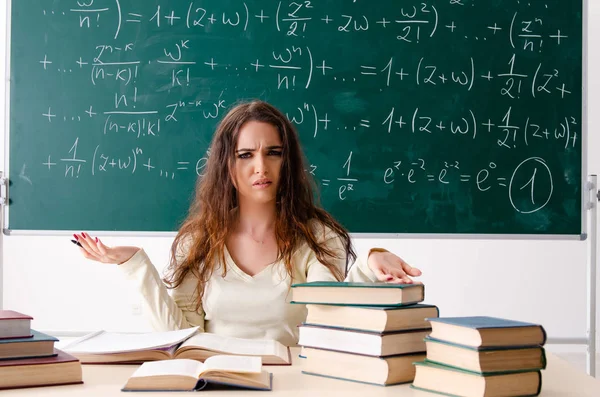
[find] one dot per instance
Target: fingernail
(83, 234)
(76, 236)
(76, 242)
(389, 278)
(97, 239)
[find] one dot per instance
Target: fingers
(87, 255)
(88, 247)
(408, 269)
(401, 278)
(395, 276)
(413, 271)
(90, 242)
(103, 249)
(381, 276)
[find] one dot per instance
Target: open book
(187, 375)
(119, 348)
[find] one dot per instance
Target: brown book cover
(62, 369)
(13, 315)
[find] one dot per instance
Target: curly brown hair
(210, 217)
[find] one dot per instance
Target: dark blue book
(485, 331)
(39, 345)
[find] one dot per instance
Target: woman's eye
(274, 153)
(244, 155)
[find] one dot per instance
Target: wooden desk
(560, 379)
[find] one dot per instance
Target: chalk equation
(425, 96)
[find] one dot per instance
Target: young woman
(252, 230)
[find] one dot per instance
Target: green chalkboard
(428, 117)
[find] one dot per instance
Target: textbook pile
(482, 356)
(364, 332)
(28, 357)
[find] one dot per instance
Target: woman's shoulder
(322, 231)
(183, 246)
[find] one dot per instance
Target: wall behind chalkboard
(419, 117)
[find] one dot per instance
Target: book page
(239, 364)
(181, 367)
(115, 342)
(231, 345)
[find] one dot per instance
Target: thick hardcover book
(381, 371)
(372, 294)
(62, 369)
(487, 331)
(361, 342)
(487, 360)
(372, 318)
(458, 382)
(39, 345)
(14, 324)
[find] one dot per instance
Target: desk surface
(559, 379)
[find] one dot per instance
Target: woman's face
(258, 160)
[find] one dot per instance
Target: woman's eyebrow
(267, 148)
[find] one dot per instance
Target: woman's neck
(256, 219)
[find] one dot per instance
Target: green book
(483, 331)
(371, 294)
(39, 345)
(485, 360)
(450, 381)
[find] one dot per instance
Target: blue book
(456, 382)
(39, 345)
(485, 331)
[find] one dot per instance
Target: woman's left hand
(390, 268)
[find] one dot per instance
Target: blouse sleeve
(358, 272)
(166, 312)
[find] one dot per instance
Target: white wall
(538, 281)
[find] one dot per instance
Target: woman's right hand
(94, 249)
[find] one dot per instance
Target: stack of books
(482, 356)
(363, 332)
(28, 357)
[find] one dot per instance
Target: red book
(63, 369)
(14, 324)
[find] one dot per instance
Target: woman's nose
(260, 164)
